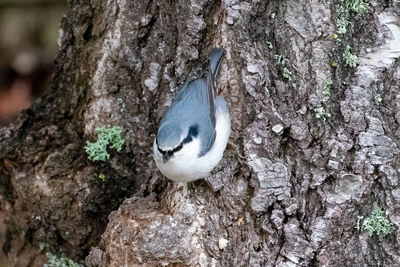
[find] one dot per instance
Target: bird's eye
(178, 147)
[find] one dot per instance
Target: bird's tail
(215, 57)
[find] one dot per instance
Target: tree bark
(303, 168)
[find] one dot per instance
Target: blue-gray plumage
(198, 94)
(193, 116)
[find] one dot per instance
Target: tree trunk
(308, 159)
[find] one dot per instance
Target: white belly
(185, 166)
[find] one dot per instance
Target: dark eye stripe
(188, 139)
(161, 151)
(177, 148)
(193, 132)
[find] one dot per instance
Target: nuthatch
(195, 130)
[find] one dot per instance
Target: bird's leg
(221, 89)
(183, 188)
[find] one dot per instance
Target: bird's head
(172, 139)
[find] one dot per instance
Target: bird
(194, 132)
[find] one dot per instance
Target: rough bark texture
(291, 187)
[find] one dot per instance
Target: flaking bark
(291, 190)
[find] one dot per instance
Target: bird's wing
(208, 71)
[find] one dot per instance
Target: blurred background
(28, 45)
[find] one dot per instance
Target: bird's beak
(166, 157)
